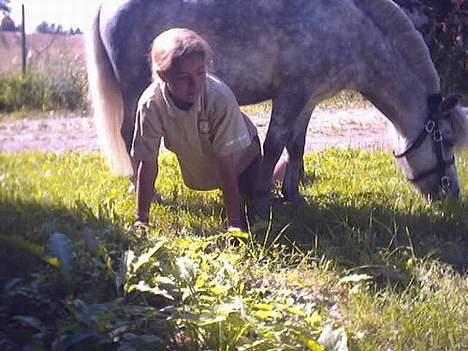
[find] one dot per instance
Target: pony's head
(428, 161)
(428, 127)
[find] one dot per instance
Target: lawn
(363, 264)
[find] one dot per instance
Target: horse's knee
(272, 152)
(296, 150)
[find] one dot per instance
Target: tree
(49, 28)
(444, 26)
(7, 24)
(73, 31)
(43, 27)
(5, 6)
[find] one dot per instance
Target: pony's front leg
(295, 167)
(285, 112)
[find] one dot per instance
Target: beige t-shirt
(214, 126)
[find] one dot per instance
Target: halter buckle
(445, 182)
(430, 125)
(437, 136)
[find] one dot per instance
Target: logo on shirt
(204, 126)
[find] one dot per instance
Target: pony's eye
(449, 143)
(449, 140)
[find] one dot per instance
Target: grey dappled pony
(297, 53)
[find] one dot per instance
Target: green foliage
(446, 34)
(60, 247)
(5, 5)
(364, 263)
(20, 91)
(58, 84)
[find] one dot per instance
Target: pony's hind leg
(128, 124)
(285, 113)
(295, 167)
(130, 100)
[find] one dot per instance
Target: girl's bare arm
(146, 177)
(230, 190)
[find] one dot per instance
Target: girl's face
(186, 78)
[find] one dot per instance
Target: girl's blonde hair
(175, 43)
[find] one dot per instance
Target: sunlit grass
(365, 255)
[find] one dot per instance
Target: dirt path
(363, 128)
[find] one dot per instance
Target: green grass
(49, 85)
(365, 260)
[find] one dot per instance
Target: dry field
(362, 128)
(41, 48)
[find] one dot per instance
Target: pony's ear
(449, 103)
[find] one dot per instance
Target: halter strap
(432, 171)
(434, 100)
(431, 128)
(428, 129)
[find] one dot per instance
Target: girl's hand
(158, 198)
(235, 225)
(141, 225)
(232, 229)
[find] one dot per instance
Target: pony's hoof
(158, 198)
(286, 208)
(293, 198)
(298, 201)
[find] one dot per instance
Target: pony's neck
(399, 74)
(405, 105)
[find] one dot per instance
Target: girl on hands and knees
(216, 145)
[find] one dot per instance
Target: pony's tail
(107, 102)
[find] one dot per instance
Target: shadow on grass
(371, 236)
(39, 302)
(375, 236)
(34, 223)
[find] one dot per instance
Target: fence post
(23, 40)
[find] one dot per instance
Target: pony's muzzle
(447, 189)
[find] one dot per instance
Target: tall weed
(50, 84)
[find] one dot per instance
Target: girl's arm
(146, 177)
(230, 189)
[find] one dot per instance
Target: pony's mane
(393, 22)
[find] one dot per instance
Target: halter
(432, 129)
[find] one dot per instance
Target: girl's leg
(280, 170)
